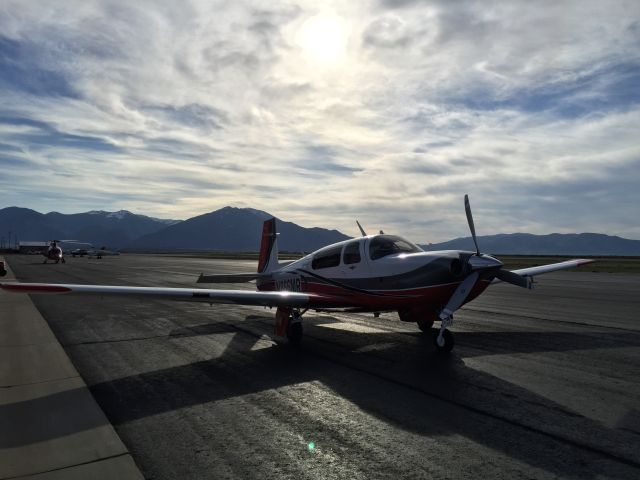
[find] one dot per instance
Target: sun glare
(323, 38)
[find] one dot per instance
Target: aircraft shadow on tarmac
(437, 395)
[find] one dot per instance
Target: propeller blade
(460, 295)
(467, 209)
(514, 279)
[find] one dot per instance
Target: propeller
(476, 264)
(480, 261)
(467, 209)
(460, 295)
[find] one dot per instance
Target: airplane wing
(240, 297)
(551, 267)
(523, 276)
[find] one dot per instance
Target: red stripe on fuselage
(434, 295)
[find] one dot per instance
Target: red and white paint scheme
(373, 273)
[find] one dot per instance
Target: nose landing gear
(444, 340)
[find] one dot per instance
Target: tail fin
(268, 260)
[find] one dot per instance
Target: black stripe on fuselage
(436, 272)
(340, 284)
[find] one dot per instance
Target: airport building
(32, 247)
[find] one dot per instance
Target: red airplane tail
(268, 260)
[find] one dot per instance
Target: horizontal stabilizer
(229, 277)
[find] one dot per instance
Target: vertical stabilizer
(268, 260)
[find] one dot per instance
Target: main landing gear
(295, 330)
(425, 324)
(289, 324)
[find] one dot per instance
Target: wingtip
(584, 261)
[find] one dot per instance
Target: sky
(321, 113)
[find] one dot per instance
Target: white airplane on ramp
(374, 273)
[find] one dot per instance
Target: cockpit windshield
(384, 245)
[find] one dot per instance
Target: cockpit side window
(384, 245)
(351, 253)
(327, 258)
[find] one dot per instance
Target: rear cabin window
(351, 253)
(327, 258)
(384, 245)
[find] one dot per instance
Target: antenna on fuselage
(361, 229)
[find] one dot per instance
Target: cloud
(174, 110)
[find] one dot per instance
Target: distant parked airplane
(100, 252)
(91, 252)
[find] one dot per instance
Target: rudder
(268, 260)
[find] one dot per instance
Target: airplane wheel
(294, 334)
(44, 261)
(57, 261)
(447, 342)
(64, 261)
(425, 325)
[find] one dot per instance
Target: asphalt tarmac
(541, 384)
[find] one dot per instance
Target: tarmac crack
(30, 475)
(121, 340)
(40, 382)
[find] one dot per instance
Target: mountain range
(115, 229)
(594, 244)
(235, 229)
(227, 229)
(239, 229)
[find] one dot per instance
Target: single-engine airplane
(373, 273)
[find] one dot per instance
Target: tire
(448, 342)
(294, 334)
(425, 325)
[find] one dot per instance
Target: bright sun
(323, 38)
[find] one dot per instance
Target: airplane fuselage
(379, 273)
